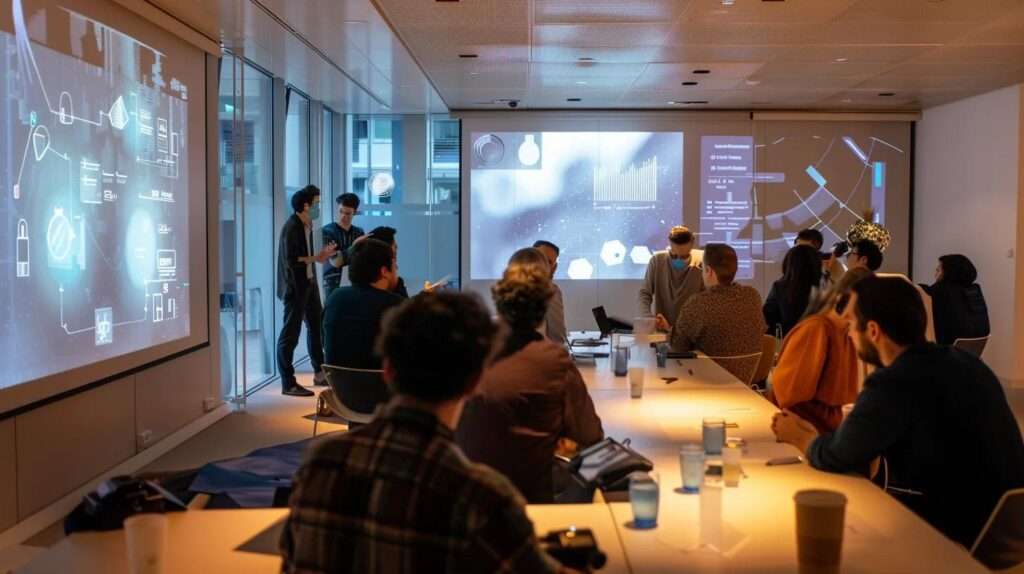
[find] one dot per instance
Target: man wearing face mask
(297, 289)
(672, 277)
(937, 415)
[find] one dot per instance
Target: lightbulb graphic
(529, 152)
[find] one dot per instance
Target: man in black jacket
(297, 289)
(937, 415)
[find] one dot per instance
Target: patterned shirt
(723, 321)
(397, 495)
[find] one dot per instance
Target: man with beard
(936, 415)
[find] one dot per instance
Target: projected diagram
(603, 197)
(97, 194)
(761, 226)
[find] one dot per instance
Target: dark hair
(529, 257)
(812, 235)
(348, 200)
(548, 244)
(958, 270)
(802, 272)
(680, 235)
(893, 303)
(867, 248)
(436, 344)
(522, 296)
(366, 259)
(721, 258)
(383, 233)
(303, 196)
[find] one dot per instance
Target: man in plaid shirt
(397, 495)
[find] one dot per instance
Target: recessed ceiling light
(469, 55)
(672, 102)
(886, 94)
(702, 71)
(841, 60)
(752, 82)
(572, 99)
(689, 83)
(580, 83)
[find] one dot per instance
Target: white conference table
(749, 528)
(207, 541)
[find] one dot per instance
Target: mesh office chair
(743, 367)
(975, 346)
(353, 394)
(767, 359)
(1000, 545)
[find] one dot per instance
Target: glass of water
(714, 435)
(643, 495)
(691, 464)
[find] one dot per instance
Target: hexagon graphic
(580, 269)
(640, 255)
(613, 253)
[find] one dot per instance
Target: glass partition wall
(405, 169)
(274, 141)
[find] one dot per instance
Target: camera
(513, 104)
(839, 249)
(574, 548)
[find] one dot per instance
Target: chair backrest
(764, 365)
(1001, 542)
(743, 367)
(975, 346)
(359, 390)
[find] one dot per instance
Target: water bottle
(621, 361)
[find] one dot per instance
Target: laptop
(607, 324)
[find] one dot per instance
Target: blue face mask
(678, 264)
(314, 212)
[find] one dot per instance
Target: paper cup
(820, 519)
(146, 540)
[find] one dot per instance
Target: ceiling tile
(589, 11)
(566, 54)
(618, 35)
(791, 11)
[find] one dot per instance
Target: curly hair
(522, 296)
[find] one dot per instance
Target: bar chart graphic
(637, 184)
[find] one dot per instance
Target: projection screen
(103, 176)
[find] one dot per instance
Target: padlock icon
(22, 249)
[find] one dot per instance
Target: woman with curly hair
(515, 421)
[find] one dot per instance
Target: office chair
(1000, 545)
(975, 346)
(353, 394)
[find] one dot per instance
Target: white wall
(967, 182)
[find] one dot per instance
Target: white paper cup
(636, 382)
(146, 540)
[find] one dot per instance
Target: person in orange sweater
(817, 372)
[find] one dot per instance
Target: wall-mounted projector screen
(103, 194)
(607, 188)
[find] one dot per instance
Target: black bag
(608, 464)
(117, 499)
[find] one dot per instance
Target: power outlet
(210, 403)
(145, 437)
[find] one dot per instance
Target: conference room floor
(269, 419)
